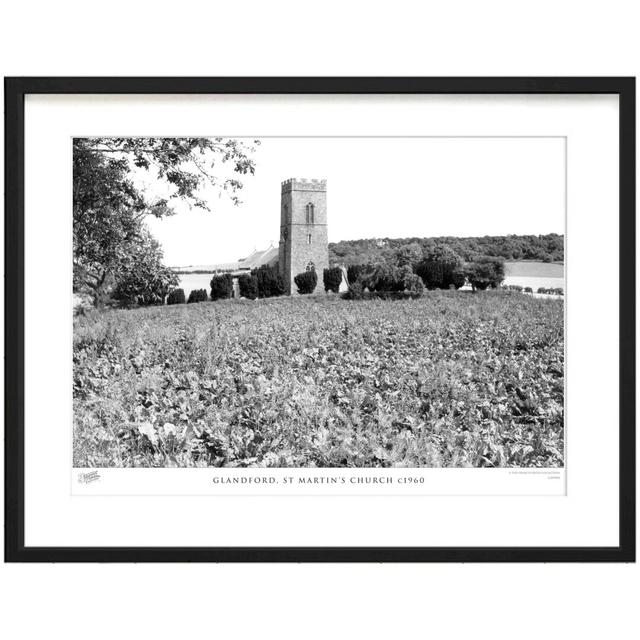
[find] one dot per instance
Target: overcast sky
(381, 187)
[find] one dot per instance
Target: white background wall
(279, 38)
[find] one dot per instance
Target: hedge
(441, 269)
(221, 286)
(306, 281)
(198, 295)
(248, 285)
(332, 279)
(176, 296)
(269, 281)
(386, 281)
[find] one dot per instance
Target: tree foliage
(385, 281)
(354, 271)
(221, 286)
(441, 268)
(269, 281)
(186, 165)
(306, 281)
(176, 296)
(485, 273)
(409, 254)
(140, 277)
(332, 278)
(198, 295)
(109, 208)
(388, 279)
(411, 282)
(383, 277)
(547, 248)
(248, 285)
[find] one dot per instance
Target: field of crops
(451, 379)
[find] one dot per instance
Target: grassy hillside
(533, 269)
(451, 379)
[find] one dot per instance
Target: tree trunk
(100, 289)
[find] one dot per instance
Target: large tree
(109, 208)
(485, 272)
(441, 268)
(141, 278)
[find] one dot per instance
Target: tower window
(310, 211)
(309, 238)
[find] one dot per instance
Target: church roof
(259, 258)
(254, 260)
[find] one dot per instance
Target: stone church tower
(303, 230)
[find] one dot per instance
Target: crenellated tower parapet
(303, 184)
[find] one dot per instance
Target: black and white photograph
(321, 319)
(319, 302)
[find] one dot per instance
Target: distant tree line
(546, 248)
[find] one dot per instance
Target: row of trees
(546, 248)
(198, 295)
(263, 282)
(440, 269)
(554, 291)
(176, 296)
(384, 280)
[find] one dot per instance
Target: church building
(303, 229)
(303, 239)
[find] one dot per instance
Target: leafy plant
(306, 281)
(221, 286)
(269, 281)
(441, 268)
(248, 285)
(198, 295)
(332, 278)
(485, 272)
(176, 296)
(141, 279)
(449, 379)
(354, 271)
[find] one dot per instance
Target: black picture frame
(15, 91)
